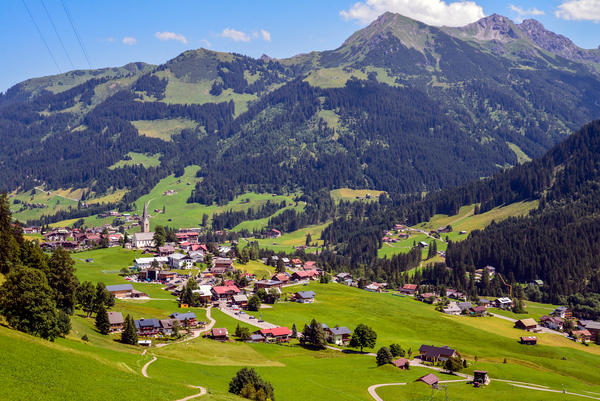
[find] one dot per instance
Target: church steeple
(145, 219)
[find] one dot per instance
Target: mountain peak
(555, 43)
(494, 27)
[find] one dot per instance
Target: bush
(397, 351)
(384, 356)
(248, 384)
(85, 338)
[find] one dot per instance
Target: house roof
(432, 351)
(141, 323)
(528, 322)
(115, 318)
(306, 294)
(338, 331)
(256, 337)
(504, 300)
(277, 331)
(409, 287)
(220, 332)
(203, 290)
(281, 277)
(464, 305)
(183, 316)
(306, 273)
(400, 362)
(240, 298)
(177, 256)
(167, 323)
(590, 325)
(224, 289)
(430, 379)
(143, 236)
(119, 287)
(528, 338)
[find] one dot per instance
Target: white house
(452, 309)
(180, 261)
(503, 303)
(143, 240)
(146, 263)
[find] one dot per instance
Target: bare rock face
(495, 27)
(555, 43)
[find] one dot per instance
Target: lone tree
(453, 364)
(102, 323)
(129, 334)
(254, 303)
(384, 356)
(26, 301)
(363, 337)
(248, 384)
(314, 335)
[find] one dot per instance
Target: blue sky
(115, 32)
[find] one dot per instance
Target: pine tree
(384, 356)
(129, 334)
(102, 323)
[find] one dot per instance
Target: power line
(41, 36)
(57, 35)
(76, 33)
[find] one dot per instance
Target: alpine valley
(414, 215)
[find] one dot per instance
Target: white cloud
(205, 42)
(522, 13)
(129, 40)
(164, 36)
(235, 35)
(432, 12)
(587, 10)
(266, 35)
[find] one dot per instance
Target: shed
(430, 379)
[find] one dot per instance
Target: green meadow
(135, 159)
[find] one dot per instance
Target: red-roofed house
(220, 334)
(225, 291)
(284, 278)
(273, 233)
(429, 379)
(310, 265)
(305, 275)
(408, 289)
(277, 334)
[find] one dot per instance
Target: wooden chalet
(401, 363)
(116, 321)
(526, 324)
(528, 340)
(430, 353)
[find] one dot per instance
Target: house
(180, 261)
(590, 325)
(147, 327)
(374, 287)
(304, 297)
(305, 275)
(277, 334)
(166, 275)
(427, 297)
(225, 292)
(552, 322)
(282, 277)
(143, 240)
(526, 324)
(266, 284)
(166, 250)
(401, 363)
(484, 302)
(204, 291)
(182, 317)
(455, 294)
(341, 277)
(309, 265)
(528, 340)
(338, 335)
(408, 289)
(423, 244)
(219, 334)
(273, 233)
(430, 379)
(581, 336)
(432, 353)
(197, 255)
(224, 251)
(478, 311)
(503, 303)
(297, 263)
(481, 377)
(121, 290)
(166, 326)
(146, 263)
(222, 265)
(116, 321)
(452, 309)
(464, 306)
(240, 300)
(563, 312)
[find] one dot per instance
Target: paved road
(553, 391)
(510, 319)
(246, 319)
(543, 329)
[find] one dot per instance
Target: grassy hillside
(464, 220)
(134, 159)
(163, 129)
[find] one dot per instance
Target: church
(145, 238)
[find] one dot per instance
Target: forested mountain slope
(400, 106)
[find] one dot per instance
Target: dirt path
(553, 391)
(373, 389)
(201, 393)
(145, 368)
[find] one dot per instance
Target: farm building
(526, 324)
(116, 321)
(408, 289)
(430, 379)
(432, 353)
(401, 363)
(528, 340)
(219, 334)
(304, 297)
